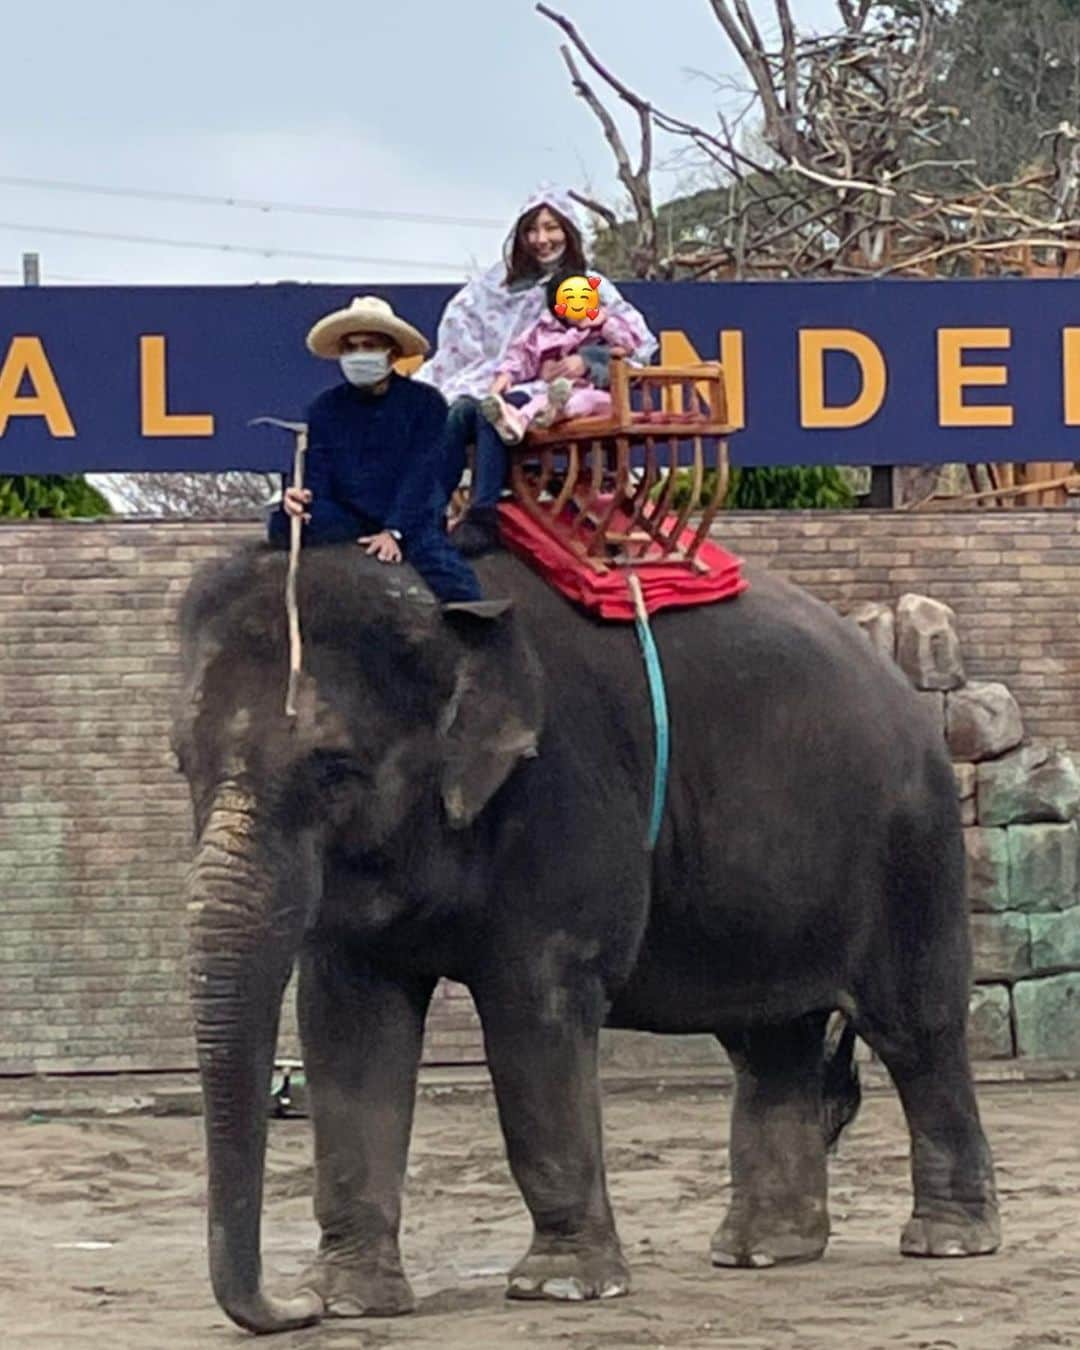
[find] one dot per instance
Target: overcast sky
(437, 107)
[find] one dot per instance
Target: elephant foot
(951, 1235)
(569, 1274)
(359, 1288)
(756, 1246)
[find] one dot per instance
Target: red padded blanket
(607, 594)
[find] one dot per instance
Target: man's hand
(569, 368)
(382, 546)
(294, 502)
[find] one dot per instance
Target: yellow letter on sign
(813, 344)
(676, 349)
(156, 419)
(1070, 342)
(26, 359)
(953, 376)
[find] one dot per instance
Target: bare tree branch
(861, 184)
(747, 43)
(591, 204)
(790, 59)
(638, 182)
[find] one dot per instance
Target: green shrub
(791, 489)
(773, 489)
(50, 496)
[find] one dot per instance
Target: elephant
(466, 798)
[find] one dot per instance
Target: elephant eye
(333, 770)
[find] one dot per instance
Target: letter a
(26, 359)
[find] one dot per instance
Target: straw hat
(366, 314)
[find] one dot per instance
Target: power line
(252, 249)
(250, 203)
(56, 276)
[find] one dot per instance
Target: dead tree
(855, 178)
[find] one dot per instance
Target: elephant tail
(842, 1093)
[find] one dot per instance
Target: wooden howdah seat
(641, 486)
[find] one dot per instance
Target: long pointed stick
(292, 608)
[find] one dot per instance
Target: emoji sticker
(578, 299)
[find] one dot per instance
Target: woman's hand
(501, 384)
(295, 501)
(382, 545)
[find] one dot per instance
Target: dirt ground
(101, 1230)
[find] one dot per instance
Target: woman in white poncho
(478, 325)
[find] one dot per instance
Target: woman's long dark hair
(522, 263)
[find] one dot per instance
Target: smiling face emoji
(577, 299)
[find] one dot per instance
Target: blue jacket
(374, 461)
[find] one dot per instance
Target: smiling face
(545, 237)
(577, 299)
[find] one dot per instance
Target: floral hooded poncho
(485, 316)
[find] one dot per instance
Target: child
(574, 318)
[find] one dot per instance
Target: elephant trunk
(246, 927)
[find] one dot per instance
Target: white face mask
(364, 369)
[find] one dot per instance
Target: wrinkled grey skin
(469, 799)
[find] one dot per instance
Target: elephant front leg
(779, 1205)
(545, 1072)
(362, 1036)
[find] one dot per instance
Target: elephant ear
(493, 718)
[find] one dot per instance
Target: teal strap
(658, 693)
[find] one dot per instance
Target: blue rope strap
(658, 693)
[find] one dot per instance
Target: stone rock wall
(1019, 804)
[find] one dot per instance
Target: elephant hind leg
(955, 1210)
(779, 1206)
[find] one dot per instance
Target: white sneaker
(503, 418)
(558, 394)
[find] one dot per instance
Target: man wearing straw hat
(375, 468)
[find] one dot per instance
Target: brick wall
(94, 820)
(1013, 578)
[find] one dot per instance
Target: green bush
(773, 489)
(50, 496)
(790, 489)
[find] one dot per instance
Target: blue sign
(887, 372)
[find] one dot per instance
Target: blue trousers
(426, 546)
(467, 426)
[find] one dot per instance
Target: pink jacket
(550, 339)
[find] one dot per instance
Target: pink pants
(583, 402)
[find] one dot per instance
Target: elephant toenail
(568, 1289)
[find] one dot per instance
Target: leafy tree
(1012, 71)
(50, 497)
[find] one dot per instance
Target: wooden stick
(1071, 480)
(292, 608)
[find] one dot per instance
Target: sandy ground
(101, 1233)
